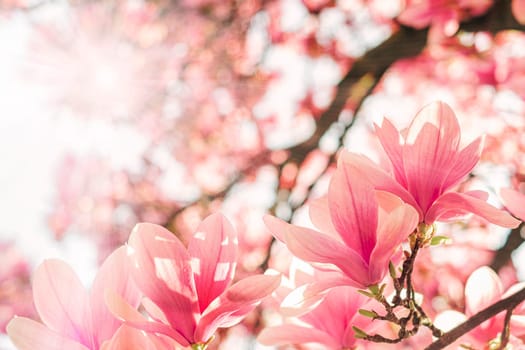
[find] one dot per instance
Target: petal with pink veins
(161, 270)
(313, 246)
(392, 231)
(213, 254)
(453, 204)
(132, 317)
(238, 300)
(430, 147)
(390, 137)
(353, 208)
(62, 302)
(115, 275)
(380, 180)
(466, 160)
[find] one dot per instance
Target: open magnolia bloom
(73, 318)
(329, 324)
(427, 163)
(188, 292)
(360, 229)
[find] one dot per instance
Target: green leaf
(374, 289)
(365, 293)
(359, 333)
(368, 313)
(392, 270)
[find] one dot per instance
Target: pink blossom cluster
(158, 293)
(185, 294)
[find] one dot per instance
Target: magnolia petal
(307, 297)
(27, 334)
(353, 208)
(380, 180)
(319, 213)
(431, 147)
(132, 317)
(313, 246)
(130, 339)
(482, 289)
(289, 334)
(453, 204)
(391, 232)
(61, 301)
(114, 274)
(514, 201)
(213, 252)
(238, 300)
(161, 270)
(390, 140)
(466, 160)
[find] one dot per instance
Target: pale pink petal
(238, 300)
(27, 334)
(390, 137)
(319, 213)
(129, 338)
(162, 272)
(114, 274)
(353, 208)
(467, 158)
(430, 148)
(380, 180)
(307, 297)
(453, 204)
(213, 253)
(289, 334)
(61, 301)
(126, 313)
(393, 229)
(518, 10)
(482, 289)
(313, 246)
(514, 201)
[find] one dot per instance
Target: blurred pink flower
(426, 163)
(443, 16)
(188, 292)
(15, 290)
(518, 10)
(329, 324)
(484, 288)
(73, 318)
(514, 201)
(360, 229)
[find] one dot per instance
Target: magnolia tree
(313, 175)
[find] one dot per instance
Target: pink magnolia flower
(427, 163)
(484, 288)
(188, 292)
(72, 317)
(329, 324)
(360, 229)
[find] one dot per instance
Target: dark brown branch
(503, 254)
(508, 303)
